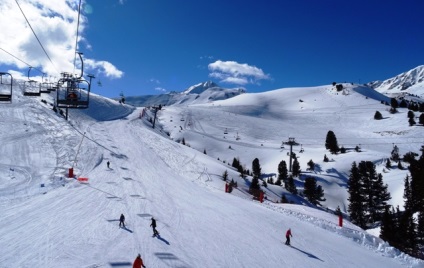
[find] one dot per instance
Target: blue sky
(143, 47)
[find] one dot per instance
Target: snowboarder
(138, 262)
(122, 221)
(108, 164)
(288, 234)
(153, 225)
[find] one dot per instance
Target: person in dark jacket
(138, 262)
(288, 234)
(153, 225)
(122, 221)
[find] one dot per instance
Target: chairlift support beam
(291, 142)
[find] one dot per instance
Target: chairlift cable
(21, 60)
(76, 39)
(39, 42)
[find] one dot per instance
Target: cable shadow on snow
(308, 254)
(172, 259)
(120, 264)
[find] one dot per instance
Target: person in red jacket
(138, 263)
(288, 234)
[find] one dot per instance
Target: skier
(108, 164)
(288, 234)
(138, 262)
(153, 225)
(122, 221)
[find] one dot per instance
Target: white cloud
(103, 67)
(154, 80)
(55, 24)
(233, 72)
(161, 89)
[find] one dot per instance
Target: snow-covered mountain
(200, 93)
(407, 83)
(50, 220)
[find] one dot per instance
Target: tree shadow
(307, 254)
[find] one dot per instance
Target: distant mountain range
(200, 93)
(409, 84)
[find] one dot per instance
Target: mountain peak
(410, 81)
(199, 88)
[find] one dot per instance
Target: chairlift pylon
(6, 87)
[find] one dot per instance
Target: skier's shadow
(163, 240)
(126, 229)
(308, 254)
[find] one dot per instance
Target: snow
(49, 220)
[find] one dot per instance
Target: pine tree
(291, 187)
(309, 189)
(296, 168)
(420, 229)
(378, 115)
(282, 173)
(325, 158)
(256, 173)
(319, 195)
(356, 198)
(407, 228)
(225, 175)
(411, 122)
(311, 165)
(395, 154)
(394, 103)
(381, 196)
(367, 174)
(331, 142)
(313, 192)
(254, 185)
(256, 168)
(421, 119)
(407, 195)
(388, 164)
(416, 169)
(387, 229)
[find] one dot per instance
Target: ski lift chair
(72, 93)
(6, 84)
(31, 88)
(45, 87)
